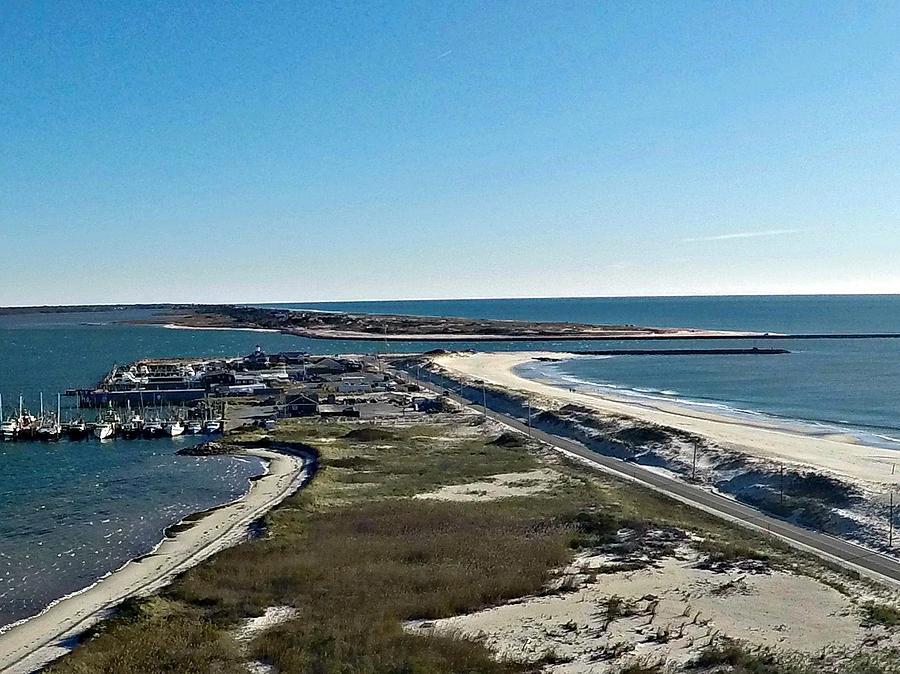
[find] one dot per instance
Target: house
(298, 404)
(291, 357)
(357, 382)
(325, 366)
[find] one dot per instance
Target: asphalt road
(872, 564)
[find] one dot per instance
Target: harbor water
(71, 512)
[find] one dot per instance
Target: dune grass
(357, 557)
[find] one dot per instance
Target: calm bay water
(71, 512)
(798, 314)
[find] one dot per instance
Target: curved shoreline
(34, 642)
(856, 462)
(720, 410)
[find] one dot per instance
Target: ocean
(849, 386)
(71, 512)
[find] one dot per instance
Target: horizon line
(445, 299)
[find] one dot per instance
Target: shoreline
(353, 336)
(835, 454)
(722, 410)
(34, 642)
(175, 326)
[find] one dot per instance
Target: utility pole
(782, 484)
(891, 522)
(484, 396)
(528, 400)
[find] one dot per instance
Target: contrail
(744, 235)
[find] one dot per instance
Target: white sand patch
(504, 485)
(671, 612)
(274, 615)
(260, 668)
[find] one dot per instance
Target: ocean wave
(552, 373)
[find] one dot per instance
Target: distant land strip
(683, 352)
(335, 325)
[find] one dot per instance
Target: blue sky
(300, 151)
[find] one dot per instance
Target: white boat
(213, 426)
(194, 427)
(49, 428)
(107, 425)
(104, 430)
(9, 428)
(173, 428)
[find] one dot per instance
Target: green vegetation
(881, 614)
(357, 557)
(735, 658)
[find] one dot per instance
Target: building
(325, 366)
(298, 403)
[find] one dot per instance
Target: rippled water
(71, 512)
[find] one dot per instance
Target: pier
(684, 352)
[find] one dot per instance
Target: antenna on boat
(58, 407)
(42, 404)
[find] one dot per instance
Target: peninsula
(395, 327)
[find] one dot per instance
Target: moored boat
(76, 429)
(212, 426)
(49, 428)
(107, 425)
(173, 428)
(153, 428)
(10, 428)
(104, 430)
(133, 427)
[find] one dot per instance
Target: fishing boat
(10, 428)
(153, 427)
(173, 427)
(133, 427)
(107, 425)
(76, 429)
(213, 426)
(194, 427)
(104, 430)
(50, 428)
(28, 425)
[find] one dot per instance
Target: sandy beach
(49, 635)
(838, 455)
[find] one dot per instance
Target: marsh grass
(155, 638)
(357, 557)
